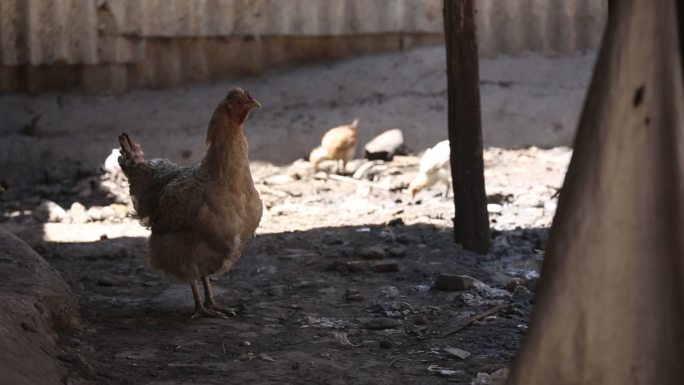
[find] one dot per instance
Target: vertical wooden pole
(680, 25)
(471, 223)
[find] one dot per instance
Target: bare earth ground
(317, 307)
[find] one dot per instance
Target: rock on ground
(35, 303)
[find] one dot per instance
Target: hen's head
(417, 184)
(238, 103)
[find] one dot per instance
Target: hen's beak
(253, 103)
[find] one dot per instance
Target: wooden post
(680, 27)
(471, 222)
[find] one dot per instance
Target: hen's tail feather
(131, 152)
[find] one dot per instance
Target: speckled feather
(203, 216)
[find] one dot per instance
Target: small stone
(279, 179)
(385, 344)
(355, 266)
(266, 357)
(550, 206)
(386, 145)
(390, 291)
(107, 282)
(522, 296)
(120, 210)
(498, 377)
(373, 252)
(470, 299)
(456, 352)
(354, 295)
(451, 282)
(514, 283)
(398, 251)
(382, 323)
(77, 213)
(95, 213)
(51, 211)
(303, 284)
(420, 319)
(387, 266)
(108, 212)
(406, 239)
(494, 208)
(387, 234)
(395, 222)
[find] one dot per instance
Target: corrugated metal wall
(102, 44)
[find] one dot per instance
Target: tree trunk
(471, 222)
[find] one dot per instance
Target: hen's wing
(188, 204)
(435, 158)
(146, 180)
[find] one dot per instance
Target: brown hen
(201, 217)
(338, 143)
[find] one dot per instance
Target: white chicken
(434, 167)
(111, 164)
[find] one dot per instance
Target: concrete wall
(529, 100)
(115, 45)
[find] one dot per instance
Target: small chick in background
(111, 164)
(339, 144)
(434, 167)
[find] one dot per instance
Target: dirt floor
(338, 286)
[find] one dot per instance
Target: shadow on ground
(317, 310)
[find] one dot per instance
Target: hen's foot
(228, 311)
(203, 311)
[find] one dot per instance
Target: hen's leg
(200, 309)
(209, 302)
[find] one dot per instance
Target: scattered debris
(386, 145)
(387, 266)
(498, 377)
(50, 211)
(456, 352)
(382, 323)
(373, 252)
(397, 251)
(343, 339)
(522, 297)
(514, 283)
(420, 319)
(356, 266)
(442, 371)
(452, 282)
(475, 318)
(354, 295)
(494, 208)
(266, 357)
(77, 213)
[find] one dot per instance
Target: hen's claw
(202, 311)
(227, 311)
